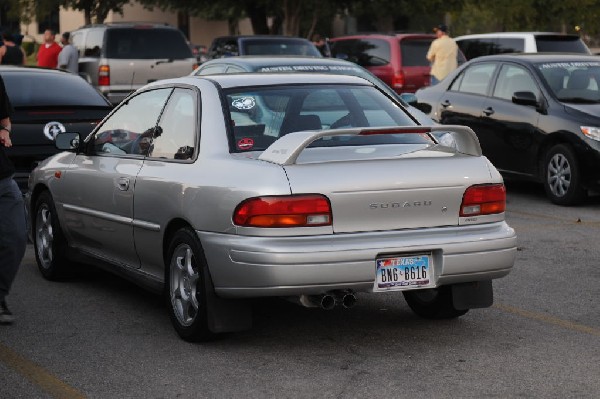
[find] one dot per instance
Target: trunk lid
(414, 189)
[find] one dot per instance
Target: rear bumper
(243, 266)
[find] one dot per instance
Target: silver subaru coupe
(213, 190)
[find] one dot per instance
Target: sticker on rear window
(245, 144)
(244, 103)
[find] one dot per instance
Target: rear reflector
(485, 199)
(284, 211)
(398, 80)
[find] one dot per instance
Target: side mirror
(409, 98)
(524, 98)
(67, 141)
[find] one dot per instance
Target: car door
(461, 103)
(98, 188)
(509, 130)
(166, 172)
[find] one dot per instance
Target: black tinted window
(509, 45)
(473, 48)
(559, 44)
(414, 52)
(65, 90)
(365, 52)
(146, 43)
(279, 47)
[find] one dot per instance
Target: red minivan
(397, 59)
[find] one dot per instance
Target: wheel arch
(549, 141)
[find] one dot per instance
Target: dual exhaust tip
(329, 300)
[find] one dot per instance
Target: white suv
(477, 45)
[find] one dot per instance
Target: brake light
(284, 211)
(485, 199)
(103, 75)
(398, 80)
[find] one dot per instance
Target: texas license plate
(403, 272)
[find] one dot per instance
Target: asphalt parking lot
(98, 336)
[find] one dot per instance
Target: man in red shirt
(48, 53)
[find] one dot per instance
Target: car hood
(591, 110)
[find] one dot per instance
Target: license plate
(403, 272)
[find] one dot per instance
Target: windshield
(279, 47)
(573, 81)
(146, 43)
(258, 117)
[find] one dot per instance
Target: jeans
(13, 233)
(434, 80)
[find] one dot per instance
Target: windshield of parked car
(573, 81)
(39, 89)
(279, 47)
(259, 116)
(146, 43)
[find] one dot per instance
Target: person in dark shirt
(13, 231)
(10, 52)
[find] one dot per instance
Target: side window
(473, 48)
(211, 70)
(367, 52)
(78, 42)
(513, 78)
(93, 43)
(234, 69)
(131, 128)
(475, 79)
(175, 137)
(510, 45)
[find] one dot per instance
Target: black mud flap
(225, 315)
(478, 294)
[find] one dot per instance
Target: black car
(47, 102)
(291, 64)
(537, 116)
(229, 46)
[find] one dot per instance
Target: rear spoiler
(286, 149)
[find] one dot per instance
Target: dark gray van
(122, 57)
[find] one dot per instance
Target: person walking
(47, 56)
(10, 52)
(69, 56)
(442, 54)
(13, 230)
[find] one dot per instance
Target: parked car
(47, 102)
(399, 60)
(217, 189)
(536, 116)
(121, 57)
(477, 45)
(199, 51)
(229, 46)
(296, 64)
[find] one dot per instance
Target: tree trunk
(87, 16)
(292, 12)
(258, 19)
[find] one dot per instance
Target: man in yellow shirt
(442, 54)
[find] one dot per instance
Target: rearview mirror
(67, 141)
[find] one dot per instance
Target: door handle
(123, 183)
(446, 104)
(488, 111)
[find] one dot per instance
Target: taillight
(284, 211)
(485, 199)
(398, 80)
(103, 75)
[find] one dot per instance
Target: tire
(184, 287)
(434, 303)
(48, 239)
(562, 176)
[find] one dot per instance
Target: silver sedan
(313, 187)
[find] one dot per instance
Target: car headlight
(591, 132)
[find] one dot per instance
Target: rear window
(59, 89)
(279, 47)
(560, 44)
(414, 52)
(258, 117)
(364, 52)
(146, 43)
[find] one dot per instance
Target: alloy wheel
(183, 285)
(559, 175)
(44, 236)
